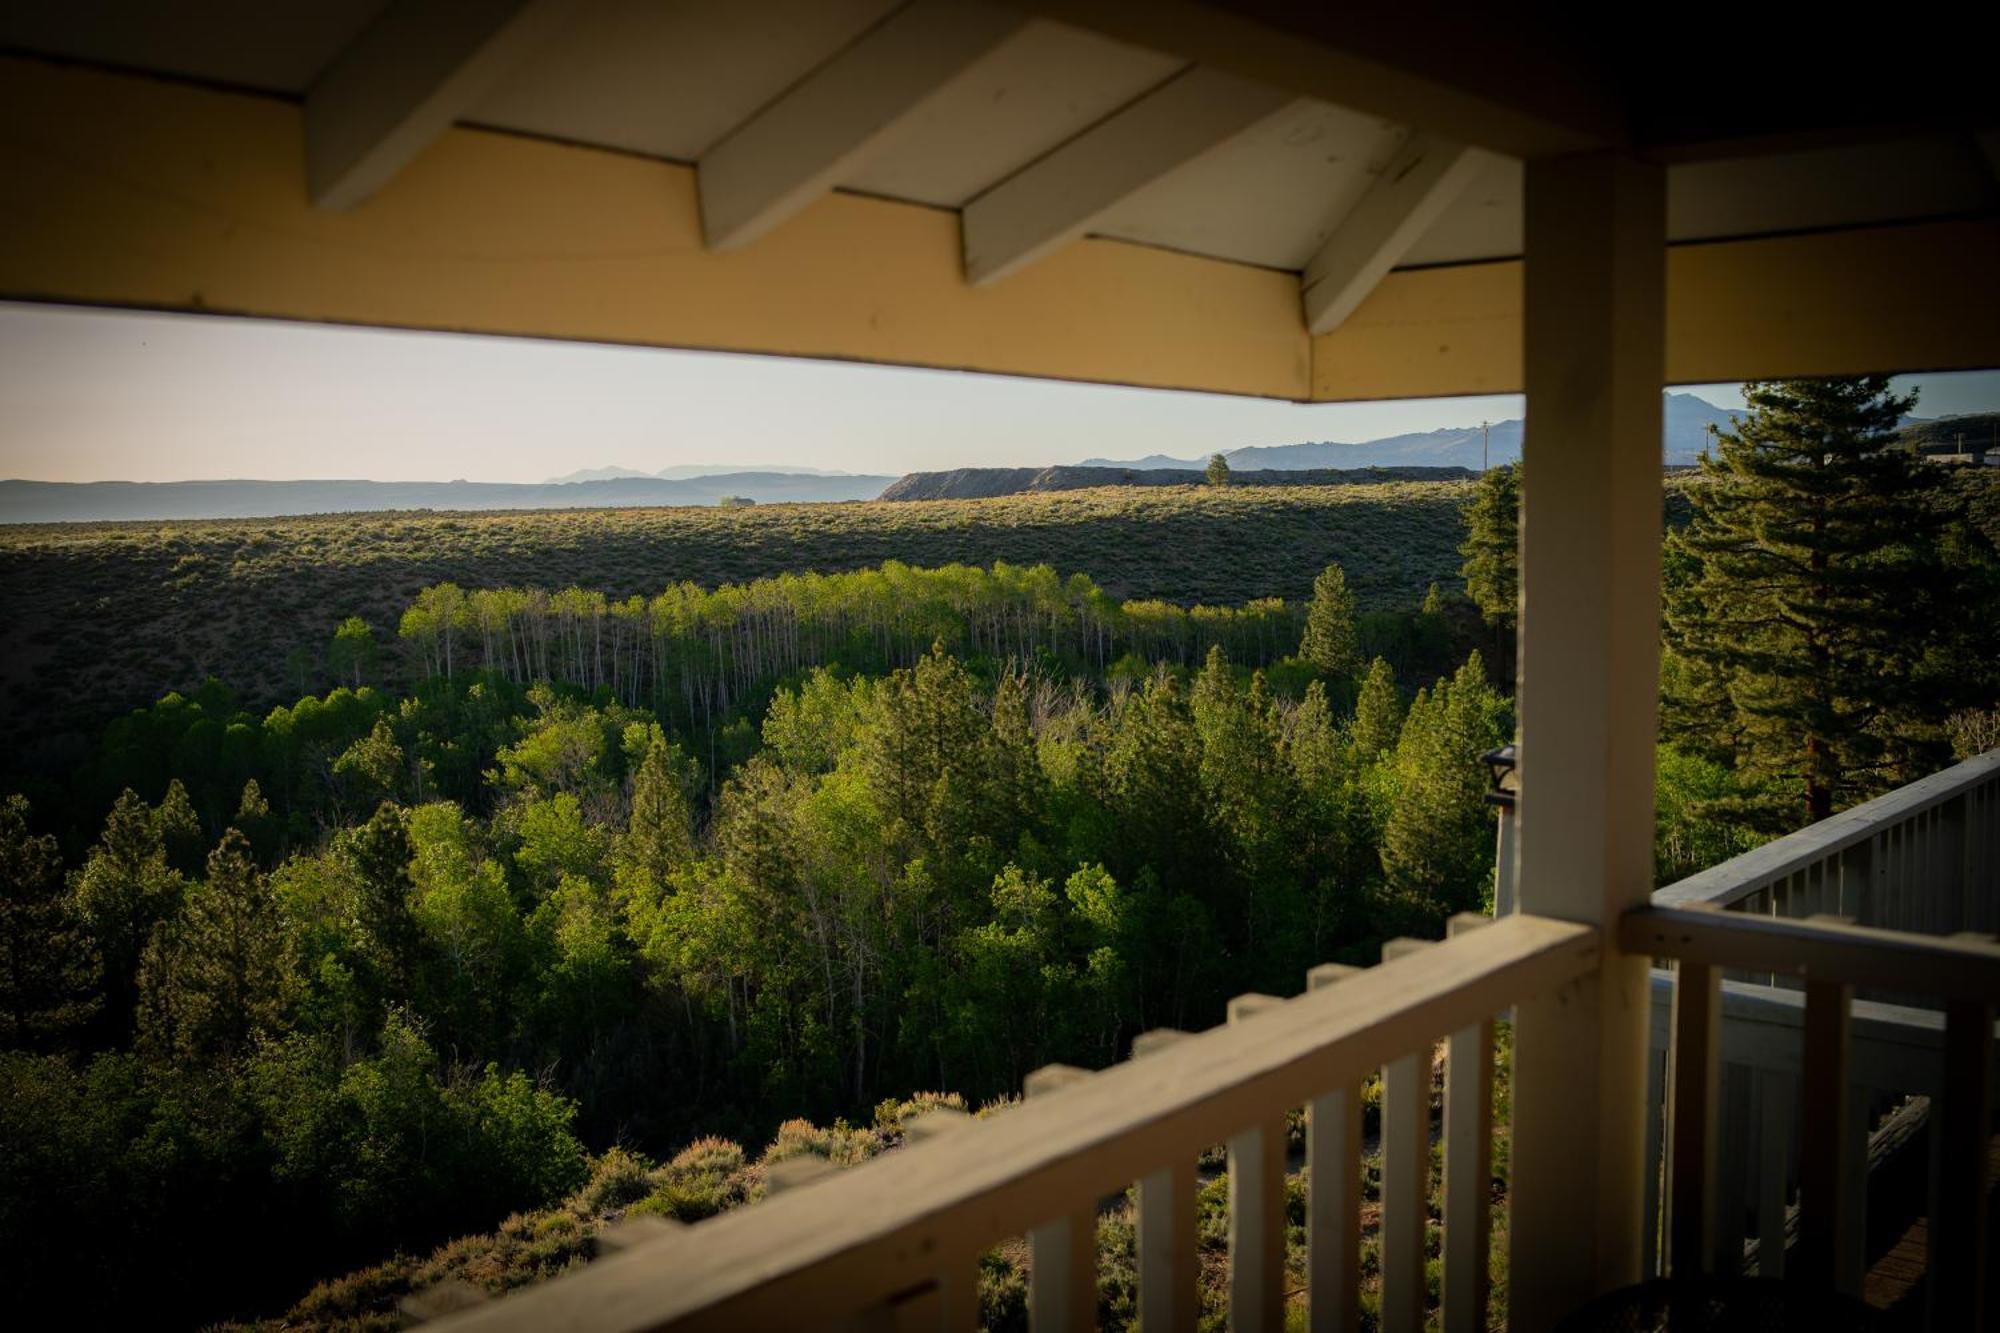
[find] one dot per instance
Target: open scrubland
(105, 617)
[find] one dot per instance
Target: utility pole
(1485, 445)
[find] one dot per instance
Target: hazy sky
(91, 395)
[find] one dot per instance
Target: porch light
(1500, 766)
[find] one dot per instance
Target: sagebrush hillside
(102, 618)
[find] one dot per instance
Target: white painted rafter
(1056, 199)
(404, 80)
(1423, 179)
(800, 146)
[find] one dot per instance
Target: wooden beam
(1504, 79)
(1053, 201)
(800, 146)
(404, 80)
(136, 192)
(1898, 297)
(1594, 343)
(1416, 187)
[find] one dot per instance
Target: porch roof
(1242, 198)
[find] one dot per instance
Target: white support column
(1594, 362)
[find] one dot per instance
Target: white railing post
(1062, 1277)
(1257, 1207)
(1468, 1164)
(1168, 1295)
(1594, 318)
(1406, 1174)
(1333, 1202)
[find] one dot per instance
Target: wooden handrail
(1953, 966)
(1741, 876)
(910, 1220)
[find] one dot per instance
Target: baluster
(1257, 1207)
(1826, 1211)
(1855, 873)
(1468, 1162)
(1406, 1163)
(1692, 1088)
(1168, 1298)
(1774, 1161)
(1656, 1089)
(1333, 1207)
(1964, 1126)
(1062, 1277)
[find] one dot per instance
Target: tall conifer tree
(1330, 642)
(1806, 598)
(48, 969)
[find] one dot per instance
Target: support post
(1594, 363)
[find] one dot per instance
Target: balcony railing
(1922, 858)
(895, 1242)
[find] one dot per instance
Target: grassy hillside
(101, 618)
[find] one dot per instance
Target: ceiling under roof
(674, 78)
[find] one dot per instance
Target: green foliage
(1217, 471)
(216, 977)
(1810, 602)
(48, 967)
(1699, 807)
(1492, 545)
(1378, 712)
(354, 653)
(1437, 847)
(256, 588)
(1329, 643)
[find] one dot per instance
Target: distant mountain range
(1684, 435)
(691, 471)
(81, 502)
(982, 483)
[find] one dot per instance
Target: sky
(90, 395)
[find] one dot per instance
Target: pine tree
(180, 829)
(659, 835)
(215, 978)
(1330, 642)
(48, 969)
(253, 820)
(1492, 546)
(123, 891)
(1437, 848)
(379, 853)
(1378, 713)
(1218, 470)
(1806, 597)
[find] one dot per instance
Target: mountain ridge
(1685, 419)
(100, 501)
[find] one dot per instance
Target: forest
(549, 898)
